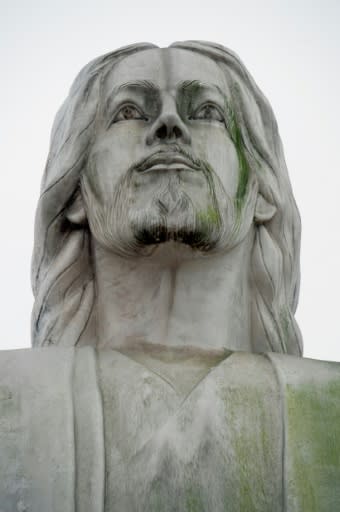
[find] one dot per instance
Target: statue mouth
(167, 160)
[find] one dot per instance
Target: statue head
(164, 145)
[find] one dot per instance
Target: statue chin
(180, 215)
(133, 224)
(148, 231)
(193, 231)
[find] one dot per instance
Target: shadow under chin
(179, 214)
(204, 238)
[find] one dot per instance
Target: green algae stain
(237, 138)
(244, 447)
(252, 428)
(193, 502)
(209, 216)
(313, 433)
(190, 90)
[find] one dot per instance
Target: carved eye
(208, 112)
(127, 113)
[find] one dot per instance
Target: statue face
(162, 166)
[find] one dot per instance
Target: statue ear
(75, 212)
(264, 211)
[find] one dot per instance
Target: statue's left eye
(128, 112)
(208, 112)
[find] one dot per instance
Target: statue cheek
(219, 152)
(98, 176)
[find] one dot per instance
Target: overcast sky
(292, 49)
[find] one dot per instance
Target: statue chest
(104, 432)
(215, 446)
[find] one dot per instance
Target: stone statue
(166, 374)
(132, 244)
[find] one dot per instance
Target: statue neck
(202, 302)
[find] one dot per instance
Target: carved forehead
(166, 67)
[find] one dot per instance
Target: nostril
(169, 127)
(177, 132)
(162, 132)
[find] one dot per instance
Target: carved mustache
(174, 157)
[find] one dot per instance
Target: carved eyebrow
(193, 86)
(145, 86)
(141, 84)
(189, 84)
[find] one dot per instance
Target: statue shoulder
(38, 388)
(311, 420)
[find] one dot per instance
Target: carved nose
(169, 127)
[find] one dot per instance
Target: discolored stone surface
(86, 430)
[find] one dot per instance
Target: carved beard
(180, 207)
(153, 207)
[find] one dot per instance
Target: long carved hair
(62, 268)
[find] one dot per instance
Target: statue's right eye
(127, 113)
(208, 112)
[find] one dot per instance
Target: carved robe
(91, 431)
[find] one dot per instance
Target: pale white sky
(292, 48)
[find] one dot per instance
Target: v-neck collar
(182, 368)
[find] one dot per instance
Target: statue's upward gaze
(166, 208)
